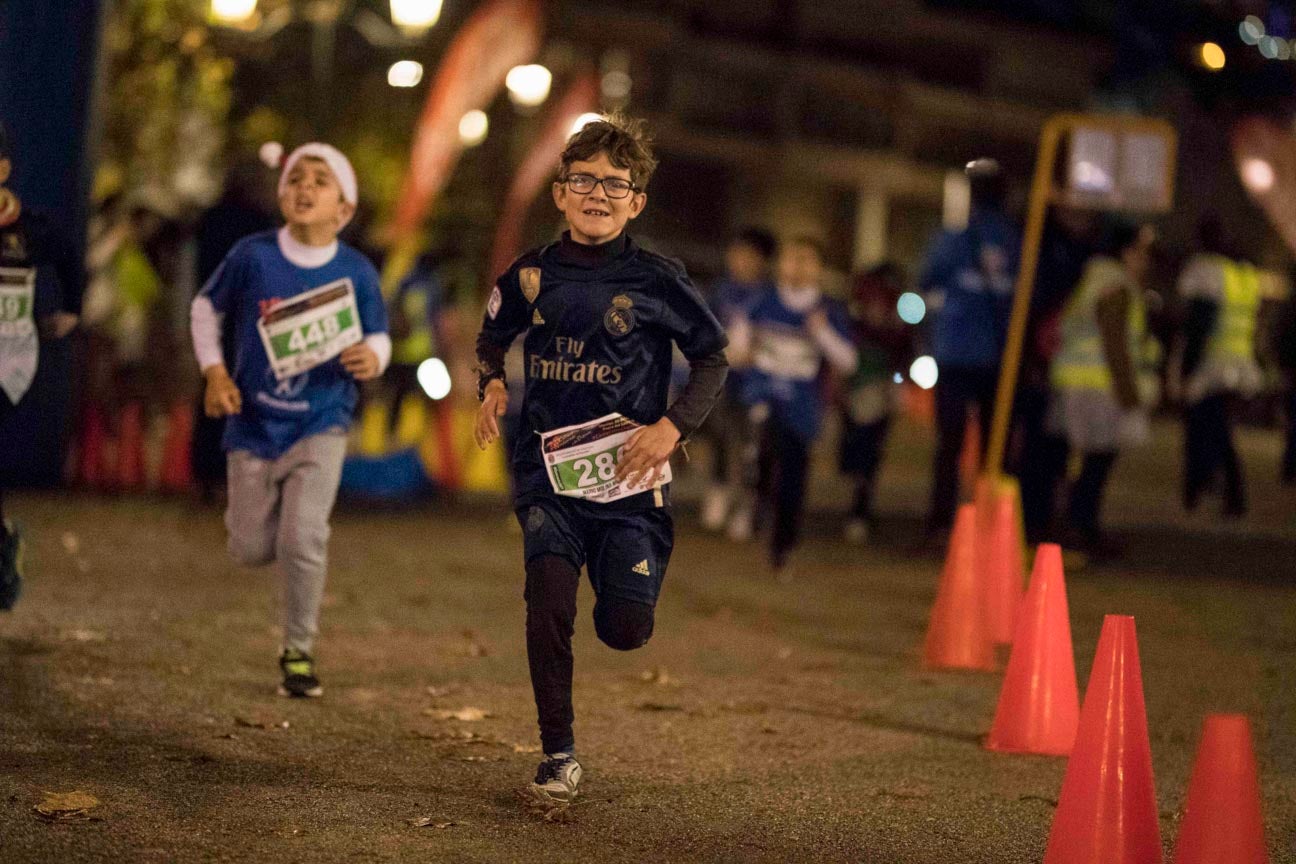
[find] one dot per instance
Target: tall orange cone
(177, 469)
(1000, 553)
(130, 448)
(1039, 709)
(956, 635)
(1222, 823)
(1107, 812)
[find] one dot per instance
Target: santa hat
(333, 158)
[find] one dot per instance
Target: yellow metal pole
(1041, 193)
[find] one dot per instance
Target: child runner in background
(308, 322)
(747, 277)
(41, 283)
(600, 314)
(884, 344)
(788, 336)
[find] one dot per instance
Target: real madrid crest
(14, 248)
(619, 320)
(529, 277)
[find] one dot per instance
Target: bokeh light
(1258, 175)
(528, 85)
(434, 378)
(473, 127)
(584, 120)
(911, 308)
(233, 11)
(415, 14)
(1212, 56)
(923, 372)
(405, 73)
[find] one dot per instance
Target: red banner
(499, 35)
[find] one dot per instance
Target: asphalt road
(764, 722)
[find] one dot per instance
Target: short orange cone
(1000, 553)
(1222, 823)
(92, 467)
(956, 635)
(1039, 708)
(130, 448)
(177, 471)
(1107, 812)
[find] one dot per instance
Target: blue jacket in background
(968, 278)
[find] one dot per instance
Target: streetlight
(528, 85)
(232, 12)
(415, 15)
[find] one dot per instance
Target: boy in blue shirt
(788, 337)
(590, 463)
(308, 323)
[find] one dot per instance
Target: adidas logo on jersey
(641, 568)
(536, 319)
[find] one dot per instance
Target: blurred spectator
(417, 333)
(1104, 373)
(968, 282)
(788, 337)
(1284, 340)
(1219, 369)
(884, 346)
(1039, 456)
(747, 276)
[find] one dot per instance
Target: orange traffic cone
(1039, 708)
(1107, 811)
(956, 635)
(1000, 553)
(130, 449)
(91, 469)
(1222, 823)
(177, 470)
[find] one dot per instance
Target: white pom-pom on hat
(271, 154)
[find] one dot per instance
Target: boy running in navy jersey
(600, 315)
(308, 323)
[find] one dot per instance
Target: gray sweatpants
(279, 511)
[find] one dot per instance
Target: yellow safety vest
(1080, 364)
(417, 346)
(1234, 335)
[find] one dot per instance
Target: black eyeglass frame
(631, 188)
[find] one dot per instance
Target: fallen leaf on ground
(467, 714)
(71, 543)
(457, 735)
(65, 806)
(658, 675)
(550, 809)
(438, 822)
(526, 748)
(477, 759)
(260, 724)
(658, 706)
(438, 692)
(471, 646)
(81, 635)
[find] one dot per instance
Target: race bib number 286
(581, 460)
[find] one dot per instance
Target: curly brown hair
(626, 142)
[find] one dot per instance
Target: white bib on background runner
(581, 460)
(19, 347)
(312, 328)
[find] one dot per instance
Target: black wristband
(485, 379)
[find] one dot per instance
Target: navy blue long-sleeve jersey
(599, 325)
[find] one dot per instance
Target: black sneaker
(299, 679)
(557, 778)
(11, 568)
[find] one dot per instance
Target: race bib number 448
(312, 328)
(581, 460)
(17, 289)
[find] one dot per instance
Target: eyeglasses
(614, 187)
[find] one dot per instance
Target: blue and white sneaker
(556, 779)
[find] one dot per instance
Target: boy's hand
(494, 403)
(361, 361)
(646, 452)
(57, 325)
(222, 397)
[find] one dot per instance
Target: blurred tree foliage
(165, 106)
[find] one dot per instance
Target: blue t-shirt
(968, 277)
(787, 363)
(730, 300)
(277, 414)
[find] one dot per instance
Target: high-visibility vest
(1081, 364)
(1233, 338)
(418, 345)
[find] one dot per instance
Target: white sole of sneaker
(540, 797)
